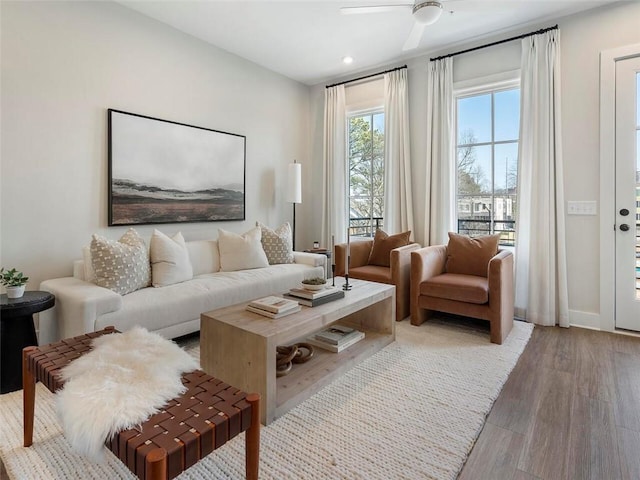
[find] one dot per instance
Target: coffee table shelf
(239, 347)
(308, 378)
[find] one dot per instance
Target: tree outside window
(366, 173)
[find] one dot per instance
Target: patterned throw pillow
(277, 244)
(121, 266)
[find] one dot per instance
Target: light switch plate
(589, 207)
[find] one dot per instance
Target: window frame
(369, 111)
(474, 87)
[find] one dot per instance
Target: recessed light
(347, 60)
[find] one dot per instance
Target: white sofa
(173, 310)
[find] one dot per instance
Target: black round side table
(18, 331)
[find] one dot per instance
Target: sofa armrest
(307, 258)
(78, 305)
(360, 251)
(426, 262)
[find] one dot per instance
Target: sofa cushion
(121, 266)
(169, 259)
(277, 244)
(383, 244)
(470, 256)
(166, 309)
(241, 252)
(461, 288)
(204, 256)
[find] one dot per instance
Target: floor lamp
(294, 192)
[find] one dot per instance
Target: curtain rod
(525, 35)
(366, 76)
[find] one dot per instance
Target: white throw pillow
(204, 256)
(241, 252)
(277, 244)
(169, 259)
(121, 266)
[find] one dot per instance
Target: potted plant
(14, 281)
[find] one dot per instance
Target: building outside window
(366, 172)
(488, 123)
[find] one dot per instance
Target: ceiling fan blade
(374, 8)
(413, 40)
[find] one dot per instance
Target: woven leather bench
(187, 429)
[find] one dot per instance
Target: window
(366, 172)
(488, 123)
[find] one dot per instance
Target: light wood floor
(569, 410)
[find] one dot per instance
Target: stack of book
(273, 307)
(313, 298)
(336, 338)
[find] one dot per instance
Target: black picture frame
(168, 172)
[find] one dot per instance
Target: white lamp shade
(427, 13)
(294, 183)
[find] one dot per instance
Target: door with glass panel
(628, 194)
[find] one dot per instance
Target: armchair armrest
(78, 305)
(426, 262)
(501, 294)
(360, 251)
(400, 264)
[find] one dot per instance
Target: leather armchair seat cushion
(460, 288)
(372, 273)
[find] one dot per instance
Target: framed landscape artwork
(168, 172)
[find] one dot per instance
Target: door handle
(624, 227)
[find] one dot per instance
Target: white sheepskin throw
(120, 383)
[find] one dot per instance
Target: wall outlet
(582, 208)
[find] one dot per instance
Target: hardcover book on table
(354, 338)
(338, 294)
(313, 294)
(269, 314)
(336, 334)
(274, 304)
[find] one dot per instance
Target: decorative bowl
(308, 286)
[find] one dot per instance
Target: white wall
(64, 64)
(583, 36)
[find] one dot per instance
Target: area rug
(411, 411)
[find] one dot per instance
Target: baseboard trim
(587, 320)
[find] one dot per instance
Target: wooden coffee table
(239, 347)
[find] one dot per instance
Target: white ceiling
(306, 39)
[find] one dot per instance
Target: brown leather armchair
(398, 273)
(487, 297)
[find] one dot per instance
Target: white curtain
(398, 209)
(541, 272)
(334, 177)
(440, 181)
